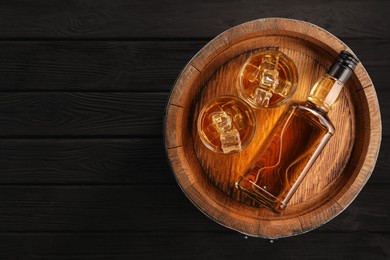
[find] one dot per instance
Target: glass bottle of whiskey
(296, 141)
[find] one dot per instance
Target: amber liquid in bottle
(286, 156)
(293, 145)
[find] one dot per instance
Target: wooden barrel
(208, 178)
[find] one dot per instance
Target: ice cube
(269, 78)
(222, 121)
(239, 120)
(230, 141)
(269, 62)
(251, 72)
(262, 97)
(283, 88)
(232, 109)
(269, 71)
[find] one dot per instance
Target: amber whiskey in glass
(226, 125)
(268, 79)
(296, 141)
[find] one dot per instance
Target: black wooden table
(83, 171)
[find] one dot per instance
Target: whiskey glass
(226, 124)
(268, 79)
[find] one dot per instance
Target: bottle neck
(325, 93)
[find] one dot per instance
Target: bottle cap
(344, 66)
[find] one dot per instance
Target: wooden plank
(142, 208)
(128, 65)
(67, 161)
(84, 114)
(124, 19)
(93, 66)
(361, 210)
(84, 161)
(382, 168)
(191, 245)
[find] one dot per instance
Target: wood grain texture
(130, 65)
(93, 65)
(51, 184)
(81, 114)
(321, 196)
(130, 208)
(84, 161)
(181, 245)
(123, 19)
